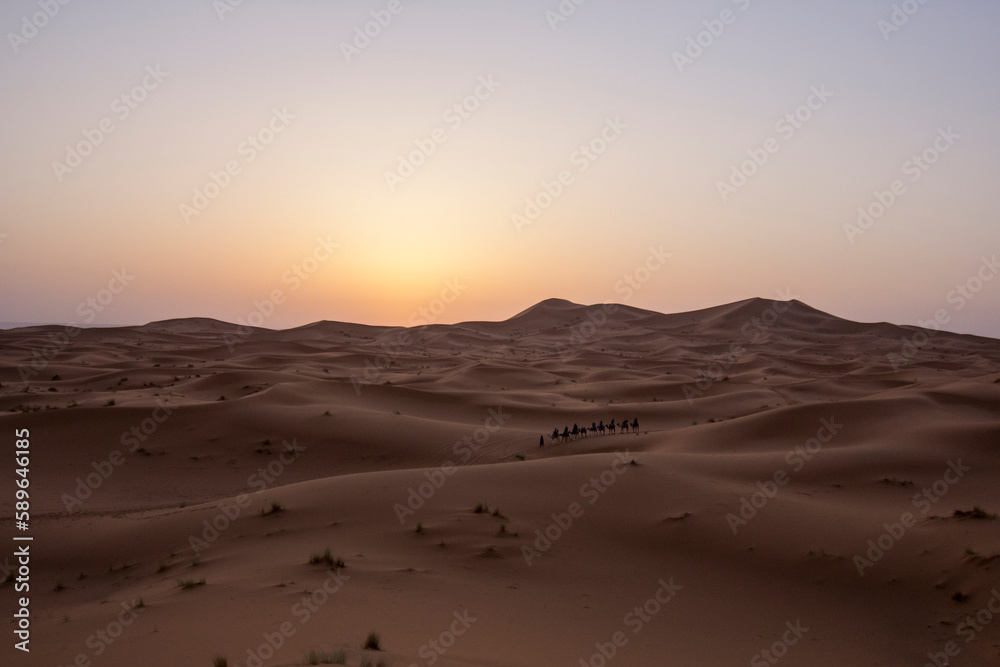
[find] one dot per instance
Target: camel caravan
(595, 428)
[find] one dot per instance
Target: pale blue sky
(656, 185)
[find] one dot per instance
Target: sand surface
(792, 488)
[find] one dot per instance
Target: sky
(435, 161)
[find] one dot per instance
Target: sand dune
(792, 488)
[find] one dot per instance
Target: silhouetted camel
(595, 427)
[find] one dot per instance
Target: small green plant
(976, 512)
(220, 661)
(317, 657)
(481, 508)
(327, 558)
(498, 514)
(373, 642)
(275, 508)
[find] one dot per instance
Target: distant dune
(800, 488)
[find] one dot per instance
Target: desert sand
(801, 489)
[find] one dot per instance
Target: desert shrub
(373, 642)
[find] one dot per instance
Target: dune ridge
(792, 470)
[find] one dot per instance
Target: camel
(598, 428)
